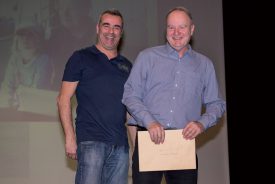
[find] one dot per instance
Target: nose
(111, 30)
(177, 31)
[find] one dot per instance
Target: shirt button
(171, 110)
(176, 85)
(174, 98)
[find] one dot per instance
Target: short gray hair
(180, 8)
(114, 12)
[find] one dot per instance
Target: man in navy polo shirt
(97, 75)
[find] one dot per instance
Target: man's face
(179, 30)
(109, 31)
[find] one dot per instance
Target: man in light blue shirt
(167, 88)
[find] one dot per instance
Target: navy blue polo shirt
(100, 114)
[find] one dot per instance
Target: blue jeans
(101, 163)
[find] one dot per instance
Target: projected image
(42, 38)
(36, 39)
(28, 66)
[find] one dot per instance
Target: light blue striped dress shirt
(171, 90)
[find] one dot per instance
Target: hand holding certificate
(174, 154)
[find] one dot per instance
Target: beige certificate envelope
(176, 153)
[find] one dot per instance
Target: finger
(191, 134)
(194, 133)
(185, 132)
(158, 140)
(188, 134)
(158, 136)
(74, 157)
(162, 136)
(153, 136)
(71, 155)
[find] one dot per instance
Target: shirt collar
(173, 52)
(96, 51)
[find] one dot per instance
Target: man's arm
(132, 130)
(65, 113)
(212, 99)
(134, 92)
(133, 99)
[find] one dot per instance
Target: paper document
(175, 153)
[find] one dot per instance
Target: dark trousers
(155, 177)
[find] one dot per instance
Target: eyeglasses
(108, 27)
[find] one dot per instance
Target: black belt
(140, 128)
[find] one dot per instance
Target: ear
(97, 28)
(192, 29)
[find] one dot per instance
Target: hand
(70, 148)
(157, 133)
(192, 130)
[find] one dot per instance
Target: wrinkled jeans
(101, 163)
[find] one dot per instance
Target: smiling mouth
(110, 37)
(177, 38)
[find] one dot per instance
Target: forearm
(64, 108)
(132, 130)
(65, 113)
(138, 110)
(213, 100)
(212, 113)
